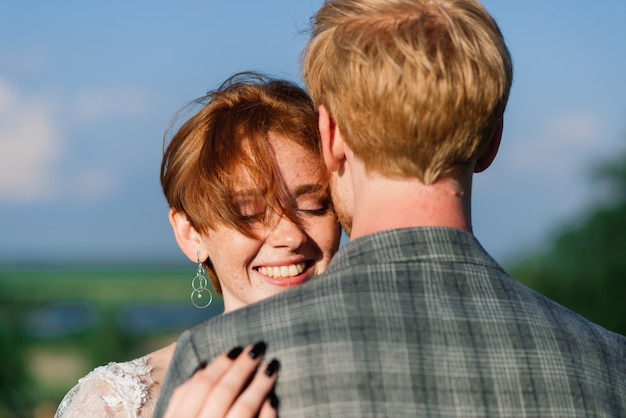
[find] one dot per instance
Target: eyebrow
(299, 191)
(308, 189)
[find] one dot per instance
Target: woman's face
(283, 254)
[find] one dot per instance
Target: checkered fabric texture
(420, 322)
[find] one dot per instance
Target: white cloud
(561, 146)
(36, 131)
(579, 129)
(97, 103)
(29, 147)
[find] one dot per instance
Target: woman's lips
(288, 275)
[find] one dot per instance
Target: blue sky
(88, 88)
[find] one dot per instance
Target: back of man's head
(416, 87)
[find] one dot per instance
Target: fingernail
(201, 366)
(234, 353)
(274, 400)
(258, 349)
(272, 368)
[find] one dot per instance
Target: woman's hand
(219, 389)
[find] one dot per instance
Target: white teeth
(283, 271)
(293, 270)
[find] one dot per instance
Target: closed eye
(315, 212)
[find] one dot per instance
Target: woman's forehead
(272, 164)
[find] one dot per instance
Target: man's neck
(383, 204)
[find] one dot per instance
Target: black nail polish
(258, 349)
(234, 353)
(201, 366)
(274, 400)
(272, 368)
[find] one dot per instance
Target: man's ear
(188, 239)
(332, 142)
(489, 154)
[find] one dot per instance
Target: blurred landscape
(58, 323)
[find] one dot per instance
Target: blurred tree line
(59, 322)
(15, 382)
(584, 268)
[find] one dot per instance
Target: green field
(108, 313)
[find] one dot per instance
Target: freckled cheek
(228, 264)
(232, 277)
(326, 236)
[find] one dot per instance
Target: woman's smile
(287, 275)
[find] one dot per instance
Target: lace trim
(120, 389)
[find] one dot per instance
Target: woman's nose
(287, 233)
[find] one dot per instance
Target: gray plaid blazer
(420, 322)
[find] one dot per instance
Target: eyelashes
(316, 212)
(261, 217)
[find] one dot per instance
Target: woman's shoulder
(120, 390)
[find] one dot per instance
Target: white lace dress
(117, 390)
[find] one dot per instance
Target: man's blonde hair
(416, 87)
